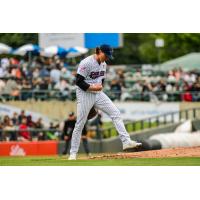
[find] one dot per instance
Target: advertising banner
(65, 40)
(28, 148)
(87, 40)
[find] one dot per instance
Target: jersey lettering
(94, 75)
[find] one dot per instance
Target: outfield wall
(114, 144)
(39, 148)
(35, 148)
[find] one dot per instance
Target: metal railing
(131, 126)
(13, 134)
(47, 95)
(155, 121)
(37, 94)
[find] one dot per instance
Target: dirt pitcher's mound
(163, 153)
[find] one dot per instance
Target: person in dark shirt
(30, 122)
(39, 125)
(15, 119)
(21, 116)
(68, 128)
(115, 89)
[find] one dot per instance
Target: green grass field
(62, 161)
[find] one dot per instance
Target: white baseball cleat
(131, 145)
(72, 157)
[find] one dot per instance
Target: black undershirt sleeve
(81, 83)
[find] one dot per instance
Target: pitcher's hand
(95, 87)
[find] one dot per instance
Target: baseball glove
(93, 112)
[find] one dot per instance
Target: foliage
(16, 40)
(138, 48)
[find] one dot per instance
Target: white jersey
(92, 70)
(94, 73)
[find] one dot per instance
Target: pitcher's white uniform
(94, 73)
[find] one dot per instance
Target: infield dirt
(163, 153)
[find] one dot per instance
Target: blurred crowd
(53, 78)
(19, 126)
(22, 80)
(174, 85)
(22, 127)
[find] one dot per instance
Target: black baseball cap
(71, 114)
(107, 49)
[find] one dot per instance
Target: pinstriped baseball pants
(85, 101)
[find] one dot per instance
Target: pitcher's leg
(106, 105)
(82, 114)
(85, 103)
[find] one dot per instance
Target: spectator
(11, 89)
(39, 125)
(26, 90)
(43, 84)
(177, 74)
(30, 122)
(68, 128)
(3, 72)
(171, 78)
(115, 89)
(170, 87)
(2, 85)
(15, 119)
(63, 87)
(161, 90)
(14, 61)
(146, 90)
(138, 74)
(21, 115)
(55, 74)
(1, 131)
(187, 96)
(5, 63)
(24, 134)
(120, 74)
(65, 74)
(8, 129)
(36, 73)
(44, 72)
(137, 87)
(195, 89)
(52, 134)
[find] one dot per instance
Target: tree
(16, 40)
(140, 47)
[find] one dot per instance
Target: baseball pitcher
(90, 77)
